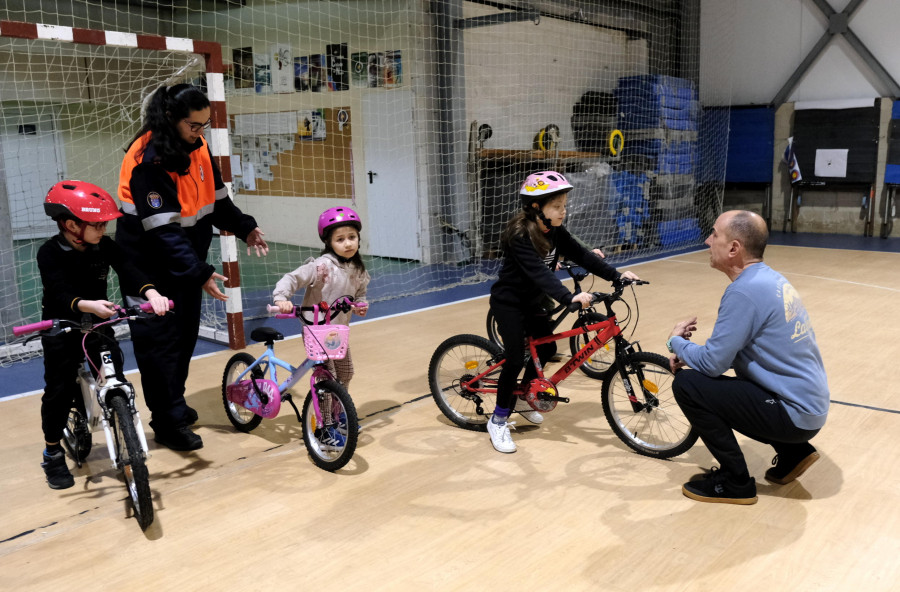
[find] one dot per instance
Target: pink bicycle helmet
(81, 201)
(540, 186)
(334, 217)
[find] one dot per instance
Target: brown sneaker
(788, 469)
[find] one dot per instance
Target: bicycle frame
(606, 330)
(94, 392)
(319, 372)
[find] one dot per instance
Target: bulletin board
(853, 131)
(306, 167)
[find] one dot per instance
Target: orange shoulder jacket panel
(196, 190)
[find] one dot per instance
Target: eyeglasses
(97, 225)
(196, 127)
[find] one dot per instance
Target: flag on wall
(791, 161)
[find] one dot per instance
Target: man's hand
(674, 363)
(211, 288)
(256, 241)
(685, 328)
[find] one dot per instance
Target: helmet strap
(539, 213)
(77, 237)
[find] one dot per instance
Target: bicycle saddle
(266, 335)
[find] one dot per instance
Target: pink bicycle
(251, 391)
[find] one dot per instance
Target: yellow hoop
(616, 141)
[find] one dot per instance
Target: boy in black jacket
(74, 266)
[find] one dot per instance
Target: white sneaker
(500, 437)
(525, 410)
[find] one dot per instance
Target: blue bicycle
(250, 388)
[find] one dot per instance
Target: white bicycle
(107, 403)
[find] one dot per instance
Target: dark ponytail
(162, 111)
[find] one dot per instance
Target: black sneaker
(58, 475)
(788, 468)
(181, 439)
(718, 487)
(191, 415)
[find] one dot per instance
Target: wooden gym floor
(428, 506)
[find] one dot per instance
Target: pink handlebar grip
(147, 307)
(26, 329)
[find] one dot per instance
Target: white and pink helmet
(540, 186)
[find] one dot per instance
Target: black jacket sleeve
(226, 215)
(523, 252)
(131, 279)
(575, 251)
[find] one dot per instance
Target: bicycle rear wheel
(240, 417)
(654, 425)
(77, 436)
(130, 458)
(458, 359)
(331, 444)
(597, 365)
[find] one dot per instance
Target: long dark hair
(163, 110)
(525, 224)
(356, 259)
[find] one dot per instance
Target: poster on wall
(376, 69)
(316, 73)
(338, 76)
(311, 124)
(393, 68)
(262, 73)
(301, 73)
(282, 68)
(359, 62)
(243, 67)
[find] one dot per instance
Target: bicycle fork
(648, 389)
(102, 388)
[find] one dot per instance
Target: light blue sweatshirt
(763, 331)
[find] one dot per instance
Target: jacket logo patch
(154, 199)
(202, 174)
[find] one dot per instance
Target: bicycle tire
(658, 428)
(240, 417)
(331, 446)
(77, 436)
(493, 331)
(455, 359)
(131, 459)
(601, 361)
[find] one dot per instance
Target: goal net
(424, 117)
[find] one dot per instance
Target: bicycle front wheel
(597, 365)
(130, 458)
(240, 417)
(653, 424)
(332, 442)
(457, 360)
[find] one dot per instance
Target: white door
(390, 160)
(30, 143)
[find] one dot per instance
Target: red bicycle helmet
(81, 201)
(334, 217)
(540, 186)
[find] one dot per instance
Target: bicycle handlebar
(618, 285)
(343, 304)
(123, 314)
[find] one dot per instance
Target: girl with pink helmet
(339, 271)
(534, 241)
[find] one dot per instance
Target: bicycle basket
(326, 342)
